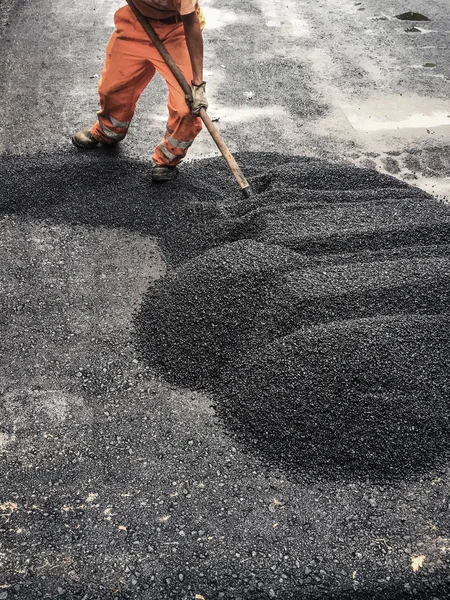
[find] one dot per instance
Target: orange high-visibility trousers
(131, 62)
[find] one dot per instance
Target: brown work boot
(84, 139)
(162, 173)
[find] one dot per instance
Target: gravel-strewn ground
(5, 9)
(117, 482)
(321, 472)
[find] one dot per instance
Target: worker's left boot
(162, 173)
(84, 139)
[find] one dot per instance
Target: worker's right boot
(84, 139)
(161, 173)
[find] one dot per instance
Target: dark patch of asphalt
(136, 492)
(5, 9)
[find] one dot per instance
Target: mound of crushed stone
(315, 314)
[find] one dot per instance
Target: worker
(131, 62)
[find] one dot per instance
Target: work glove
(198, 99)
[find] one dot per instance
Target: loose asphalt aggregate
(275, 423)
(319, 321)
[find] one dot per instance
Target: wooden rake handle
(235, 169)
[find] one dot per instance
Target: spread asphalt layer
(311, 317)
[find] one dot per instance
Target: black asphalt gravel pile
(314, 313)
(321, 351)
(318, 321)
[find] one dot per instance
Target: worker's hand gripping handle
(197, 98)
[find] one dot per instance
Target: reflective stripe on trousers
(115, 136)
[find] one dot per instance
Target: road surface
(115, 482)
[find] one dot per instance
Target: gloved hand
(198, 99)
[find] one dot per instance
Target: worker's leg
(182, 126)
(126, 73)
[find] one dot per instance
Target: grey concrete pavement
(115, 483)
(339, 81)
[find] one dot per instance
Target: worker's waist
(169, 21)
